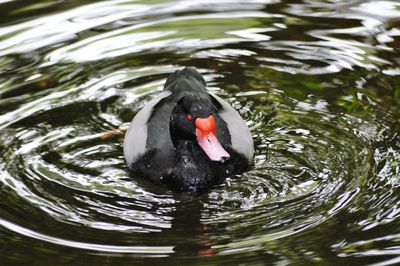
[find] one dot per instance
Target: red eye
(189, 117)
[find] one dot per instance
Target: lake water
(315, 80)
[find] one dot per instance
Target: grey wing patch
(136, 137)
(241, 138)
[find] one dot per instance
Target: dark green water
(316, 81)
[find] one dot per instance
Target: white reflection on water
(88, 246)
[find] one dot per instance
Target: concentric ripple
(314, 80)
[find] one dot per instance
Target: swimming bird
(188, 138)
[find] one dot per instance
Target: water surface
(316, 82)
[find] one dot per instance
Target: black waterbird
(187, 137)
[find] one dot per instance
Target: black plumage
(187, 137)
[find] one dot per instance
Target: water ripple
(314, 80)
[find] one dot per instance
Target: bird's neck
(193, 168)
(189, 152)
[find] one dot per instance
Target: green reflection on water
(316, 83)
